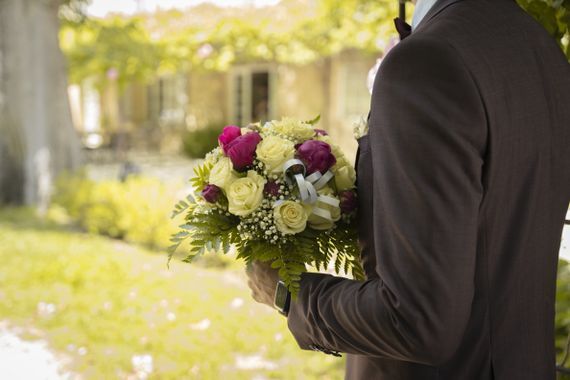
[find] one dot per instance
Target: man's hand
(262, 282)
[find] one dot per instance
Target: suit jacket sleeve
(428, 133)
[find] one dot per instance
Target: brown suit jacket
(464, 181)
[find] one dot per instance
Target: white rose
(274, 151)
(325, 138)
(345, 177)
(294, 128)
(317, 222)
(222, 173)
(290, 217)
(246, 194)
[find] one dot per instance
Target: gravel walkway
(28, 360)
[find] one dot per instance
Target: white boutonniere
(360, 127)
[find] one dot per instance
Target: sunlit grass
(104, 302)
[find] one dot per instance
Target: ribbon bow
(295, 173)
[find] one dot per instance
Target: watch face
(280, 296)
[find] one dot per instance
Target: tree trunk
(37, 138)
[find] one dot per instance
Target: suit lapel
(438, 7)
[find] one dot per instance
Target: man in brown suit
(464, 182)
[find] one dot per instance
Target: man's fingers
(260, 266)
(252, 285)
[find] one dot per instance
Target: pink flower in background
(316, 155)
(348, 201)
(229, 134)
(205, 51)
(211, 193)
(241, 150)
(113, 74)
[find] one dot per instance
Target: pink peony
(271, 188)
(316, 155)
(229, 134)
(348, 201)
(211, 193)
(241, 150)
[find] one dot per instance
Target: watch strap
(282, 300)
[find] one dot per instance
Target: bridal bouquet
(280, 192)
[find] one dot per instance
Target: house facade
(154, 115)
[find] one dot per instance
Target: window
(251, 95)
(126, 105)
(356, 95)
(260, 96)
(167, 99)
(239, 99)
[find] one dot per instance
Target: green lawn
(103, 302)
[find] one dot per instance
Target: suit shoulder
(423, 55)
(487, 27)
(415, 45)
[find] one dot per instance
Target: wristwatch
(282, 299)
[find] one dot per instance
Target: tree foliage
(212, 38)
(554, 15)
(138, 47)
(74, 11)
(110, 49)
(563, 309)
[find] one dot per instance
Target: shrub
(137, 210)
(200, 141)
(563, 310)
(73, 192)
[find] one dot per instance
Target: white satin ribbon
(309, 186)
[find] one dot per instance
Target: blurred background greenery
(103, 116)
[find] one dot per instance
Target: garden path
(29, 360)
